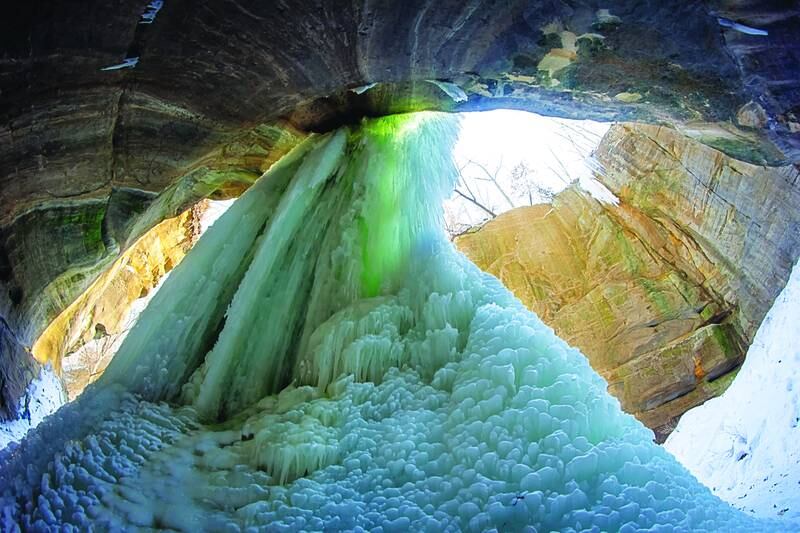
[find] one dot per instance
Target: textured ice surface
(389, 386)
(745, 444)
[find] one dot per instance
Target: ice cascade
(324, 359)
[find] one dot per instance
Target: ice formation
(732, 24)
(452, 90)
(744, 444)
(325, 359)
(128, 62)
(361, 89)
(150, 12)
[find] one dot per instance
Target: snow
(745, 444)
(45, 394)
(212, 212)
(128, 62)
(363, 375)
(598, 191)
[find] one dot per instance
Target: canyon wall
(664, 291)
(79, 343)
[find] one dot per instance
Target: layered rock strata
(664, 291)
(100, 313)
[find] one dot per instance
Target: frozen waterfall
(325, 359)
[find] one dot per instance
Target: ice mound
(325, 359)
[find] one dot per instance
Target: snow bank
(388, 385)
(213, 211)
(45, 394)
(745, 444)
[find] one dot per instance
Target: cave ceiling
(213, 70)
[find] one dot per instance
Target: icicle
(172, 335)
(252, 353)
(741, 28)
(452, 90)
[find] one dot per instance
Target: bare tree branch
(590, 136)
(561, 164)
(466, 185)
(476, 202)
(493, 178)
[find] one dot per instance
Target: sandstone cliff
(664, 291)
(100, 313)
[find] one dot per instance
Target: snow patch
(745, 444)
(598, 191)
(214, 210)
(128, 62)
(45, 394)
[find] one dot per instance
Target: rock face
(765, 66)
(664, 291)
(100, 313)
(17, 369)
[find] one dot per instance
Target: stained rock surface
(100, 313)
(664, 291)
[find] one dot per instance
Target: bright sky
(548, 154)
(554, 152)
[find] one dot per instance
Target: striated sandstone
(663, 292)
(100, 313)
